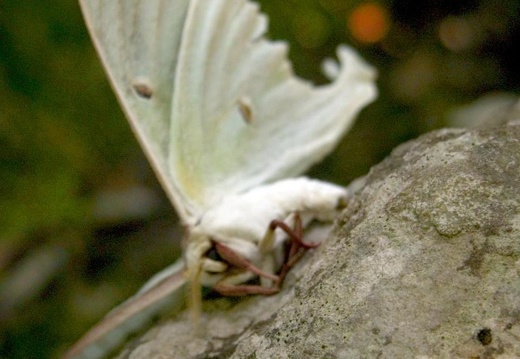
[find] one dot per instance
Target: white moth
(224, 123)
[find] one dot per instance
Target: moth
(226, 126)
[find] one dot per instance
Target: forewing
(138, 42)
(240, 116)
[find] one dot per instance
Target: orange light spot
(368, 23)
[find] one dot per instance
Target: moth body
(241, 222)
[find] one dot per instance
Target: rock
(424, 262)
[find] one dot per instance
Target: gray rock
(423, 263)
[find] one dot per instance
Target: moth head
(203, 266)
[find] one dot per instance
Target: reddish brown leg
(246, 289)
(235, 260)
(297, 248)
(295, 234)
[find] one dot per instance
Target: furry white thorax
(241, 221)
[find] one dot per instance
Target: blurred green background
(83, 221)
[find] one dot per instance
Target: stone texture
(424, 262)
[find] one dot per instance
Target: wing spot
(245, 108)
(143, 90)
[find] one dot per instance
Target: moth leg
(238, 261)
(295, 234)
(297, 248)
(244, 289)
(227, 286)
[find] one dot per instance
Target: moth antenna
(195, 300)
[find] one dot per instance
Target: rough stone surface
(424, 262)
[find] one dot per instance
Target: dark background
(83, 221)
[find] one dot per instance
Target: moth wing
(138, 42)
(162, 291)
(240, 116)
